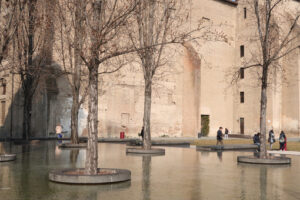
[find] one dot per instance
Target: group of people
(272, 140)
(256, 138)
(220, 135)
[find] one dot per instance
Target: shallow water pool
(181, 174)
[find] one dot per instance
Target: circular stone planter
(70, 145)
(266, 161)
(133, 143)
(7, 157)
(76, 176)
(154, 151)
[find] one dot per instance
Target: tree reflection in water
(146, 176)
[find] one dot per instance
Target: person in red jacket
(282, 141)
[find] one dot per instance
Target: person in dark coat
(256, 140)
(282, 141)
(220, 136)
(142, 133)
(226, 133)
(271, 138)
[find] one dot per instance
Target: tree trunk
(146, 167)
(263, 114)
(91, 163)
(76, 74)
(74, 119)
(28, 82)
(27, 116)
(147, 114)
(76, 90)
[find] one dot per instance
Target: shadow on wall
(51, 106)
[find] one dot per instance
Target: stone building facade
(192, 91)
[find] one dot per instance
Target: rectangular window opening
(242, 73)
(2, 112)
(4, 89)
(125, 119)
(242, 125)
(245, 13)
(242, 50)
(242, 97)
(204, 125)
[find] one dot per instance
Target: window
(242, 98)
(204, 125)
(242, 125)
(125, 119)
(242, 50)
(242, 71)
(2, 112)
(245, 13)
(4, 89)
(3, 86)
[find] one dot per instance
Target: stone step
(228, 147)
(296, 153)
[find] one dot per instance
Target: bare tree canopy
(106, 21)
(71, 21)
(8, 23)
(31, 51)
(277, 35)
(158, 24)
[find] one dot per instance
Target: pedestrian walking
(220, 136)
(271, 138)
(142, 133)
(226, 133)
(282, 141)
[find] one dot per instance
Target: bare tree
(106, 29)
(7, 25)
(71, 22)
(31, 42)
(105, 25)
(159, 24)
(276, 40)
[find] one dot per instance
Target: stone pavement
(227, 147)
(296, 153)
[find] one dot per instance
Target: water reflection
(256, 154)
(180, 174)
(220, 154)
(88, 192)
(74, 153)
(265, 175)
(204, 153)
(5, 147)
(263, 182)
(146, 176)
(242, 183)
(2, 151)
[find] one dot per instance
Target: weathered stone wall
(190, 85)
(283, 94)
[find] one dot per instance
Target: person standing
(256, 140)
(282, 141)
(58, 130)
(271, 138)
(226, 133)
(220, 136)
(142, 133)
